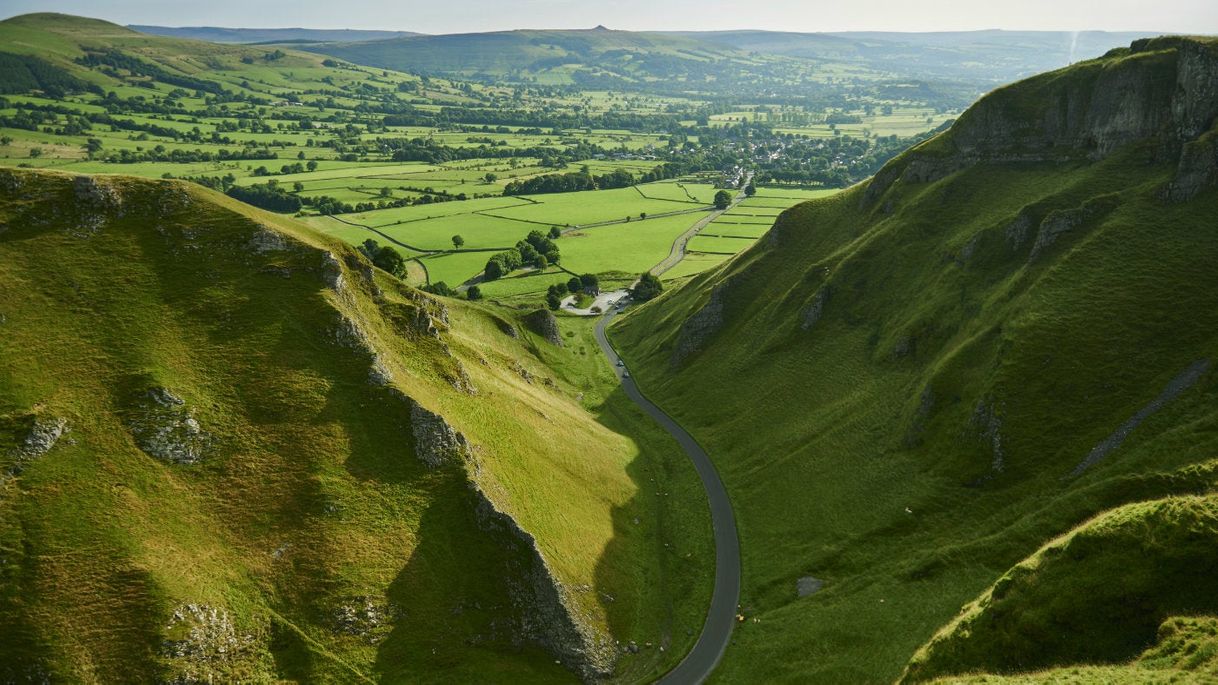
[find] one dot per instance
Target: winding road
(677, 253)
(721, 617)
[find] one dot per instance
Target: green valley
(372, 351)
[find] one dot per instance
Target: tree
(722, 199)
(490, 178)
(555, 233)
(439, 288)
(574, 284)
(750, 190)
(311, 165)
(386, 192)
(35, 152)
(389, 259)
(474, 293)
(298, 186)
(589, 282)
(458, 242)
(553, 301)
(493, 269)
(648, 287)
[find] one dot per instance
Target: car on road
(621, 363)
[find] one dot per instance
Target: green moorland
(982, 379)
(237, 490)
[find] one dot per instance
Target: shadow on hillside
(450, 606)
(651, 591)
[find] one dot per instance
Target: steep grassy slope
(231, 450)
(909, 387)
(1097, 595)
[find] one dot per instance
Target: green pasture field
(454, 268)
(719, 245)
(401, 215)
(478, 230)
(694, 263)
(591, 206)
(632, 248)
(678, 191)
(724, 229)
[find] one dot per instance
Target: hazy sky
(451, 16)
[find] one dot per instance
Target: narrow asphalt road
(677, 252)
(721, 617)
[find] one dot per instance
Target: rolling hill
(567, 56)
(982, 379)
(218, 34)
(770, 62)
(119, 59)
(231, 449)
(987, 56)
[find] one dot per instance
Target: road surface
(721, 617)
(677, 253)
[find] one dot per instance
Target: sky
(457, 16)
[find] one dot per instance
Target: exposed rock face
(988, 425)
(332, 272)
(459, 378)
(815, 309)
(437, 443)
(506, 328)
(547, 614)
(1016, 232)
(1059, 222)
(1197, 170)
(348, 333)
(698, 329)
(96, 200)
(522, 372)
(202, 645)
(41, 438)
(1160, 89)
(543, 323)
(379, 373)
(265, 240)
(364, 617)
(165, 428)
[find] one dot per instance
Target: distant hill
(662, 63)
(217, 34)
(984, 379)
(760, 63)
(626, 53)
(994, 55)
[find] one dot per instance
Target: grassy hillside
(63, 39)
(673, 64)
(993, 55)
(567, 56)
(230, 450)
(219, 34)
(1097, 595)
(911, 386)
